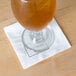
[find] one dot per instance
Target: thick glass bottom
(38, 41)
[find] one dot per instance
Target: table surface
(63, 64)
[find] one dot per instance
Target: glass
(35, 15)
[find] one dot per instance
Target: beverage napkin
(28, 57)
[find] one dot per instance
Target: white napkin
(28, 58)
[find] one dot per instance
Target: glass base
(38, 41)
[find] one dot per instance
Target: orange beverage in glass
(34, 14)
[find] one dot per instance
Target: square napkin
(28, 57)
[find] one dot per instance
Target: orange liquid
(34, 14)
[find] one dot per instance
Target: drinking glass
(35, 15)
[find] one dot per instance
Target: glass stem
(37, 37)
